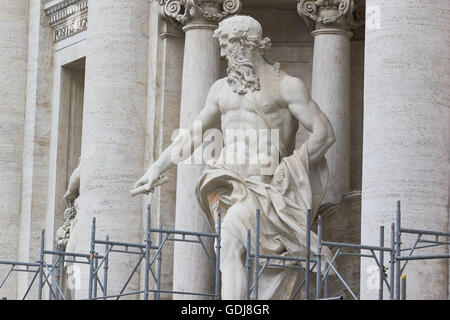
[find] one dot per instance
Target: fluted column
(331, 21)
(13, 78)
(201, 68)
(113, 132)
(406, 133)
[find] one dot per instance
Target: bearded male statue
(256, 95)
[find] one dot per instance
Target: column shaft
(331, 91)
(13, 76)
(112, 155)
(201, 68)
(36, 143)
(406, 133)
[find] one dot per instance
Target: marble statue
(256, 96)
(72, 193)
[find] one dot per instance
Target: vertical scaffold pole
(95, 276)
(403, 287)
(91, 260)
(256, 264)
(58, 273)
(380, 289)
(147, 251)
(158, 264)
(247, 265)
(319, 258)
(392, 263)
(218, 245)
(41, 265)
(325, 282)
(61, 272)
(105, 270)
(397, 251)
(308, 252)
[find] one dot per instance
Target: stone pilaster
(113, 133)
(201, 68)
(13, 79)
(332, 21)
(36, 143)
(406, 133)
(166, 50)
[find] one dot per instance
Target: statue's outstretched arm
(207, 119)
(308, 113)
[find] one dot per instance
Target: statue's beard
(241, 72)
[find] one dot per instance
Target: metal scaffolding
(51, 275)
(395, 282)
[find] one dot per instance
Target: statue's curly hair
(246, 29)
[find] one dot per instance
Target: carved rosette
(348, 14)
(181, 12)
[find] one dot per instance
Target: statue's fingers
(139, 183)
(140, 190)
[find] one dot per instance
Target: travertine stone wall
(113, 131)
(13, 76)
(36, 140)
(341, 223)
(406, 132)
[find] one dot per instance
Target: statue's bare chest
(250, 103)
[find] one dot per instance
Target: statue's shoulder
(221, 82)
(292, 85)
(219, 85)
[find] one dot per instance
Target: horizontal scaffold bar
(17, 263)
(355, 246)
(70, 254)
(427, 232)
(187, 233)
(425, 257)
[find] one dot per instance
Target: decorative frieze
(180, 12)
(347, 14)
(67, 18)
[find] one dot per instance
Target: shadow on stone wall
(341, 222)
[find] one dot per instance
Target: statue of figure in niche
(257, 98)
(72, 193)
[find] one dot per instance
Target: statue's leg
(232, 265)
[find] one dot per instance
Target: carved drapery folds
(181, 12)
(346, 14)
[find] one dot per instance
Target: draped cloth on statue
(296, 187)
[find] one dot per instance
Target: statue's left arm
(74, 185)
(308, 113)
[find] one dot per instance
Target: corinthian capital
(182, 12)
(344, 14)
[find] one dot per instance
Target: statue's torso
(247, 121)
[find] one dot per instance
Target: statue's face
(228, 46)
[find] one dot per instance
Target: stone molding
(67, 18)
(202, 12)
(343, 14)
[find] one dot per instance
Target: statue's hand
(69, 196)
(151, 179)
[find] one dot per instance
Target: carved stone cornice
(207, 12)
(341, 14)
(67, 18)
